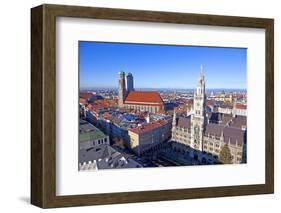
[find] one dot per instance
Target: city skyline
(139, 129)
(100, 62)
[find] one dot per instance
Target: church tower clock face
(198, 118)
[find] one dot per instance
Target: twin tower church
(128, 98)
(200, 135)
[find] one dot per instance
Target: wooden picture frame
(43, 105)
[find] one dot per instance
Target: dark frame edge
(37, 197)
(43, 107)
(157, 196)
(43, 172)
(156, 16)
(269, 105)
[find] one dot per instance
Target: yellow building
(147, 136)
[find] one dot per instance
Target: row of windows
(197, 112)
(181, 135)
(182, 129)
(217, 145)
(181, 140)
(211, 149)
(238, 158)
(141, 107)
(217, 151)
(100, 141)
(213, 138)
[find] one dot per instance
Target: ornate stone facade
(202, 135)
(198, 118)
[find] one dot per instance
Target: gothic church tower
(198, 118)
(122, 92)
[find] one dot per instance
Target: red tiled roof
(189, 102)
(240, 106)
(144, 97)
(148, 127)
(85, 95)
(210, 103)
(142, 103)
(82, 101)
(225, 105)
(98, 104)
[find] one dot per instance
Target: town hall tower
(198, 118)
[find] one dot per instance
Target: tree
(225, 155)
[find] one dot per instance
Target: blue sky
(161, 66)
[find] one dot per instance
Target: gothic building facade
(198, 117)
(202, 135)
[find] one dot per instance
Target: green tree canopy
(225, 155)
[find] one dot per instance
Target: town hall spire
(198, 118)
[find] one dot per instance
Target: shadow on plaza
(172, 154)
